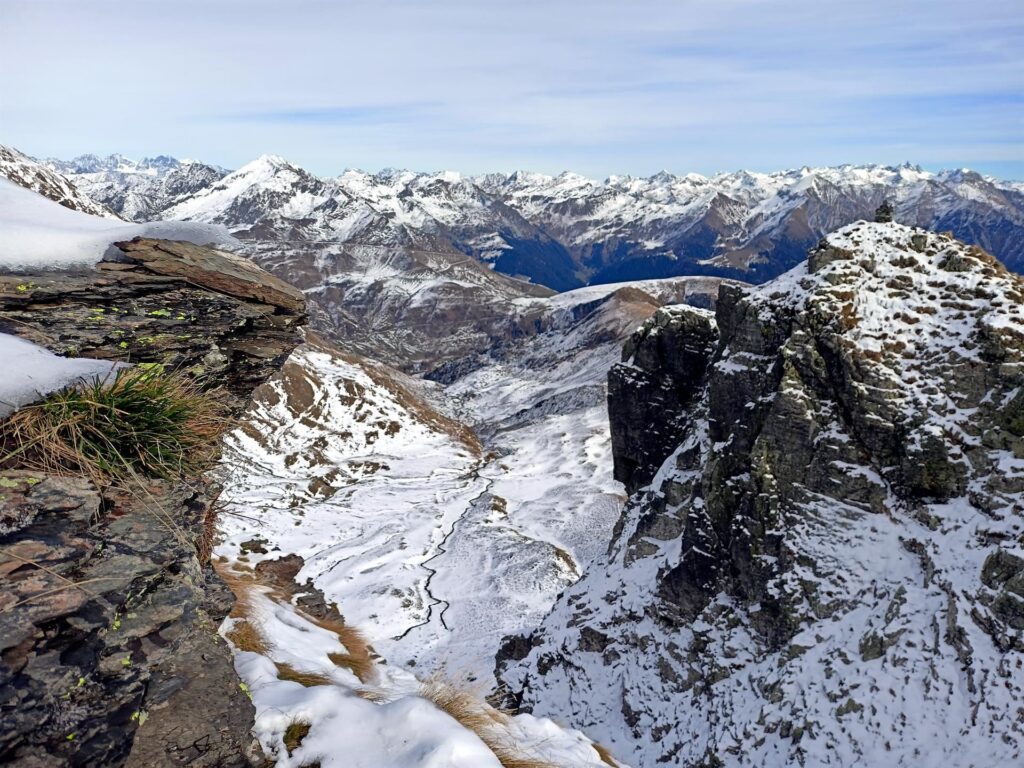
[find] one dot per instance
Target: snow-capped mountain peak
(568, 230)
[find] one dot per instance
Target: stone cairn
(883, 213)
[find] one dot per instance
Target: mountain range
(704, 522)
(564, 231)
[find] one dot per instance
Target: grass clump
(467, 707)
(140, 422)
(307, 679)
(294, 734)
(245, 637)
(358, 658)
(605, 755)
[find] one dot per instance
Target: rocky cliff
(827, 567)
(109, 610)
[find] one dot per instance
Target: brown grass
(358, 658)
(240, 582)
(605, 755)
(308, 679)
(141, 422)
(208, 533)
(466, 706)
(245, 637)
(294, 734)
(373, 694)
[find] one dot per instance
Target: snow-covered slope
(32, 372)
(440, 534)
(28, 173)
(432, 541)
(828, 567)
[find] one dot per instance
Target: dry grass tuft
(294, 734)
(361, 667)
(308, 679)
(373, 694)
(142, 422)
(463, 702)
(466, 705)
(359, 657)
(245, 637)
(605, 755)
(241, 582)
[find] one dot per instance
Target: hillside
(825, 569)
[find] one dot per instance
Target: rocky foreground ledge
(109, 609)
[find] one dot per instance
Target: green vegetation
(143, 421)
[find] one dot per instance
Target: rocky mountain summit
(826, 567)
(109, 653)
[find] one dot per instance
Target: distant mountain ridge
(566, 231)
(26, 172)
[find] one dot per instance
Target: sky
(593, 86)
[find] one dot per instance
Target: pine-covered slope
(828, 566)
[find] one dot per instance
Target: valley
(480, 513)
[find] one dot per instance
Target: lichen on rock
(108, 630)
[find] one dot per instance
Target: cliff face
(827, 569)
(651, 392)
(109, 652)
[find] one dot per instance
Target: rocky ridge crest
(828, 567)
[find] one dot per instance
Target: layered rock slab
(109, 652)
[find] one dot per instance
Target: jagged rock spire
(884, 212)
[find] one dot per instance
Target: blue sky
(478, 85)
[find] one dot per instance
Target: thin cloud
(601, 87)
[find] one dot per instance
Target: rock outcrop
(109, 609)
(827, 569)
(652, 390)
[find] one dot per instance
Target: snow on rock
(31, 372)
(39, 234)
(828, 569)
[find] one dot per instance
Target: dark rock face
(652, 390)
(109, 653)
(840, 521)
